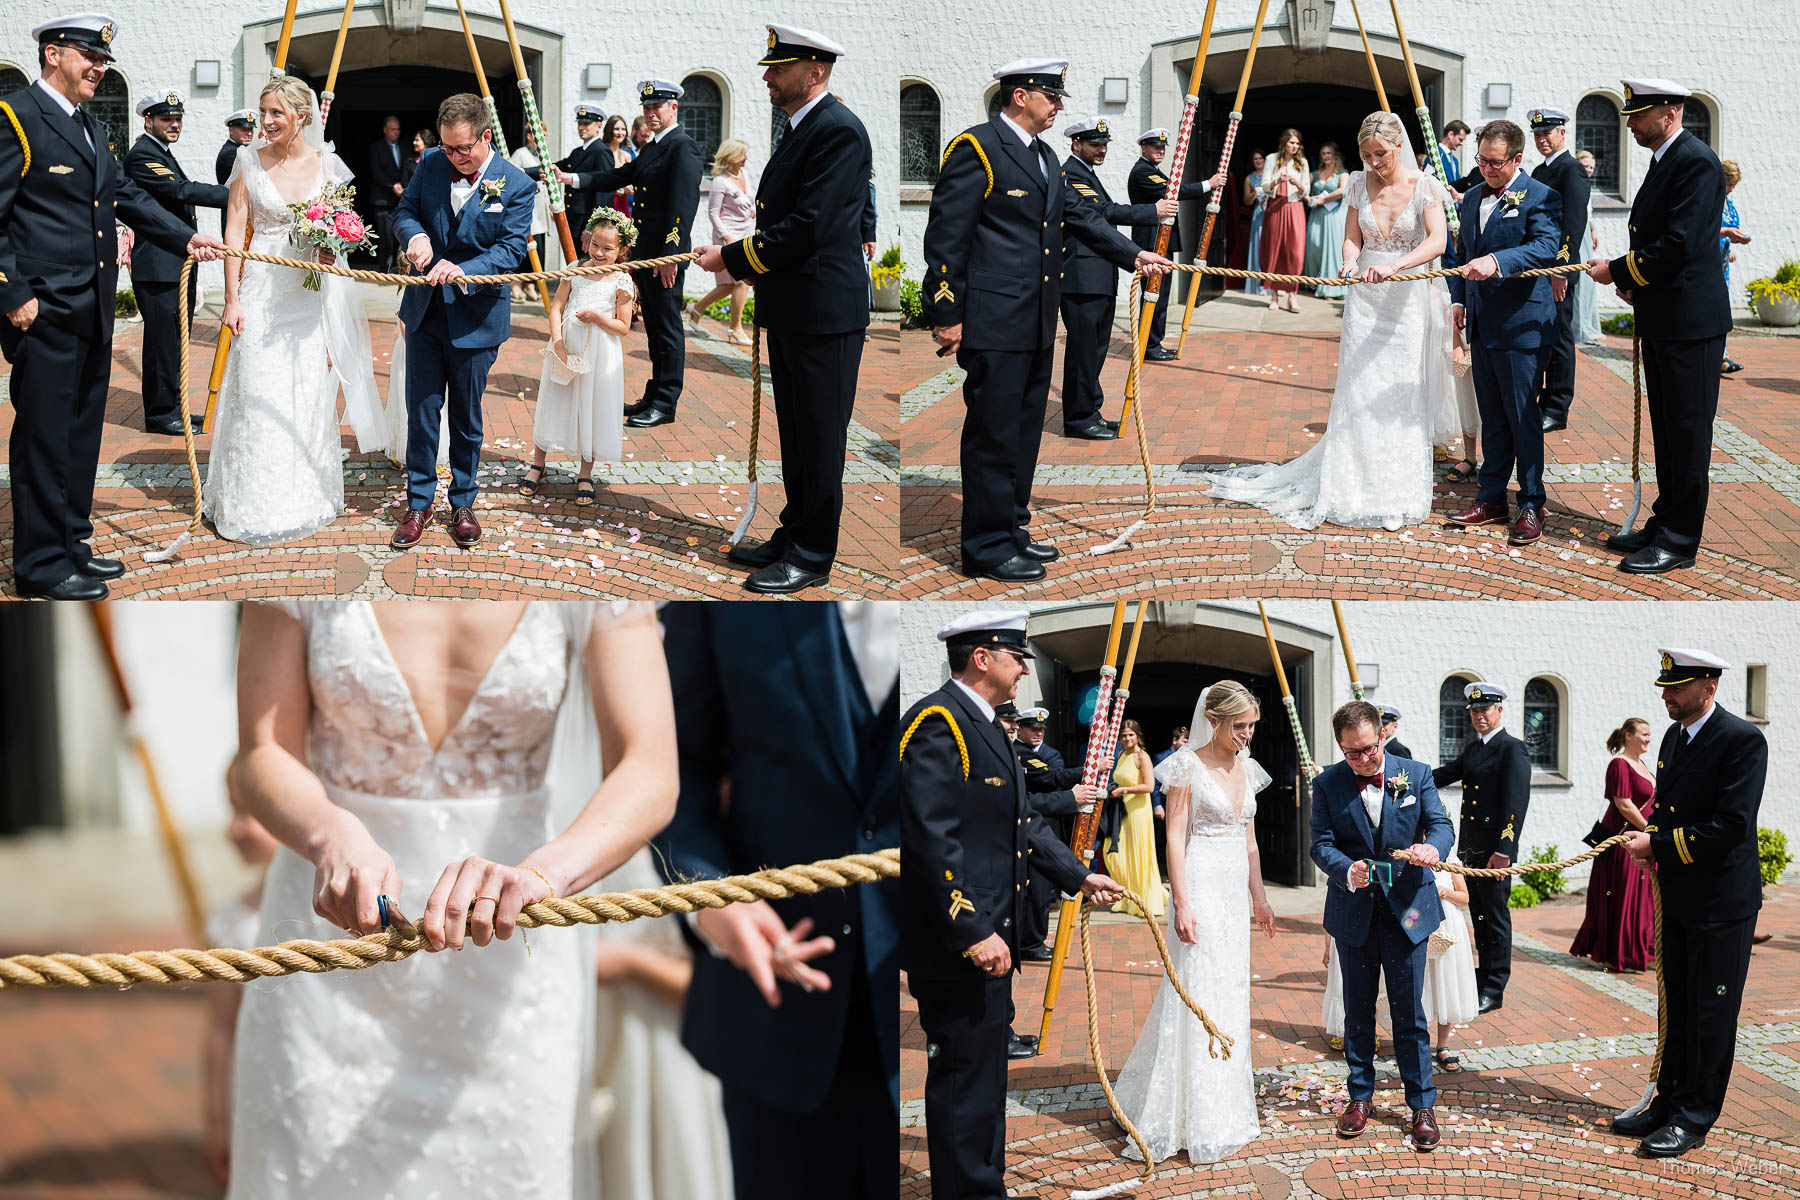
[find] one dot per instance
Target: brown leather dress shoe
(1353, 1119)
(1479, 513)
(465, 530)
(1529, 526)
(411, 528)
(1424, 1129)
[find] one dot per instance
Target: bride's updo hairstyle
(1381, 126)
(1227, 699)
(294, 94)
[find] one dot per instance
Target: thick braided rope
(1637, 409)
(1218, 1043)
(1524, 868)
(355, 954)
(181, 392)
(755, 394)
(1404, 277)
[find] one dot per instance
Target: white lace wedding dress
(450, 1074)
(276, 472)
(1174, 1091)
(1395, 396)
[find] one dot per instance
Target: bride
(276, 469)
(1172, 1089)
(1396, 396)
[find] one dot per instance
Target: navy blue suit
(784, 760)
(1511, 325)
(1381, 928)
(453, 336)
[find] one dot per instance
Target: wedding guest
(1284, 220)
(1618, 931)
(386, 181)
(1587, 293)
(423, 142)
(1325, 222)
(526, 160)
(1131, 853)
(1450, 157)
(732, 210)
(1728, 233)
(1449, 996)
(616, 137)
(1254, 198)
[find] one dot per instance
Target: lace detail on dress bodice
(1409, 226)
(598, 292)
(269, 217)
(1209, 806)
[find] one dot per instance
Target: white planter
(1780, 311)
(887, 296)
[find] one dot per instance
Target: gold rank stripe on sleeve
(939, 710)
(1631, 265)
(756, 264)
(959, 904)
(12, 119)
(979, 153)
(944, 292)
(1681, 847)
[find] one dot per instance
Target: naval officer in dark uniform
(576, 168)
(967, 833)
(155, 272)
(1056, 793)
(1390, 734)
(1495, 773)
(1146, 184)
(240, 130)
(805, 257)
(665, 177)
(1564, 175)
(1090, 283)
(1709, 786)
(993, 278)
(1672, 281)
(61, 192)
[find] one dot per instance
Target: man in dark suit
(1569, 179)
(575, 170)
(1390, 733)
(387, 180)
(966, 832)
(155, 272)
(1709, 786)
(993, 277)
(1495, 773)
(1090, 283)
(1363, 809)
(812, 287)
(1672, 281)
(1146, 184)
(240, 130)
(665, 177)
(1511, 224)
(788, 736)
(60, 194)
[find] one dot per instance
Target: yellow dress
(1131, 858)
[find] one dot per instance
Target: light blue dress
(1325, 237)
(1253, 256)
(1587, 301)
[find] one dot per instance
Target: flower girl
(581, 394)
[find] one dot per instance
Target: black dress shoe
(1629, 543)
(1017, 569)
(754, 554)
(651, 417)
(1159, 354)
(1642, 1124)
(1110, 424)
(168, 426)
(1488, 1004)
(75, 587)
(1655, 560)
(1037, 953)
(636, 407)
(1672, 1141)
(102, 568)
(1018, 1047)
(781, 578)
(1041, 552)
(1093, 431)
(1552, 424)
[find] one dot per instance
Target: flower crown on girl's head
(627, 229)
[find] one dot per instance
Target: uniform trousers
(438, 374)
(160, 305)
(1089, 322)
(814, 378)
(967, 1025)
(1159, 319)
(661, 307)
(1681, 389)
(1493, 931)
(1005, 393)
(1704, 966)
(1556, 386)
(58, 388)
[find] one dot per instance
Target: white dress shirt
(800, 114)
(1693, 729)
(68, 108)
(981, 706)
(1028, 139)
(1372, 797)
(660, 134)
(873, 631)
(1663, 149)
(1489, 203)
(1489, 735)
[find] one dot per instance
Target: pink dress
(1284, 234)
(733, 215)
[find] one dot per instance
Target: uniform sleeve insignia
(1038, 763)
(1506, 835)
(1016, 192)
(1154, 178)
(60, 169)
(2, 277)
(674, 237)
(1084, 189)
(1563, 254)
(959, 904)
(949, 875)
(943, 293)
(994, 781)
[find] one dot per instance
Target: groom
(467, 211)
(1512, 224)
(1364, 808)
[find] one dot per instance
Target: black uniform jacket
(1496, 786)
(151, 166)
(1146, 185)
(1084, 272)
(1704, 823)
(227, 159)
(805, 255)
(666, 176)
(1672, 269)
(1565, 175)
(994, 240)
(58, 203)
(967, 836)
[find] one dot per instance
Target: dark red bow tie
(1488, 190)
(469, 178)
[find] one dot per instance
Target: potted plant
(1777, 297)
(885, 279)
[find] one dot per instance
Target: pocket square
(494, 208)
(1408, 802)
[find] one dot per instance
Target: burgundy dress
(1284, 234)
(1618, 929)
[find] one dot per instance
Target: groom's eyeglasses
(1364, 754)
(1494, 164)
(460, 151)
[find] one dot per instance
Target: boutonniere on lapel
(491, 188)
(1398, 784)
(1511, 200)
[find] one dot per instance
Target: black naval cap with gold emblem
(1087, 129)
(999, 628)
(166, 103)
(1644, 94)
(787, 44)
(1046, 74)
(1483, 695)
(1685, 666)
(93, 32)
(655, 91)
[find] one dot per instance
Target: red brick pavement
(640, 540)
(1526, 1131)
(1258, 397)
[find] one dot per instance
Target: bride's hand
(481, 898)
(350, 872)
(327, 258)
(1348, 270)
(1376, 272)
(1265, 918)
(1186, 927)
(233, 320)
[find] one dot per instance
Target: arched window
(921, 134)
(1597, 125)
(1696, 118)
(702, 113)
(778, 127)
(12, 79)
(111, 106)
(1543, 725)
(1454, 730)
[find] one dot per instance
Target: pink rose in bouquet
(329, 222)
(315, 210)
(349, 226)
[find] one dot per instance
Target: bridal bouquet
(329, 222)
